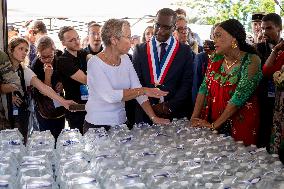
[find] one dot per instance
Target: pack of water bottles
(26, 167)
(152, 157)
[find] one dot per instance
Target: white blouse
(28, 75)
(106, 84)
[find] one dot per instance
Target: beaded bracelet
(212, 126)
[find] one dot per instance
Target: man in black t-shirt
(94, 39)
(72, 68)
(271, 26)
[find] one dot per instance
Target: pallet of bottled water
(152, 157)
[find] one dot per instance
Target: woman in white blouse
(112, 80)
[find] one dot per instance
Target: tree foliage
(214, 11)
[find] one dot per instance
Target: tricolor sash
(159, 70)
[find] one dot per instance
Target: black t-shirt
(89, 50)
(38, 68)
(67, 66)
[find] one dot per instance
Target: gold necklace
(229, 66)
(109, 61)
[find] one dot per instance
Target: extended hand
(197, 122)
(155, 92)
(67, 103)
(158, 120)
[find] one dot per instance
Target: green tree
(213, 11)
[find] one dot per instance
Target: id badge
(271, 89)
(15, 111)
(84, 92)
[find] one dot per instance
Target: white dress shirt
(159, 46)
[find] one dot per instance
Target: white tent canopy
(77, 13)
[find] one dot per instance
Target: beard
(269, 39)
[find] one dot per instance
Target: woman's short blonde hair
(43, 43)
(112, 28)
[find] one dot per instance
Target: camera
(24, 104)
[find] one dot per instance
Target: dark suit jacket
(200, 67)
(266, 103)
(178, 80)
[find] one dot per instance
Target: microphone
(277, 3)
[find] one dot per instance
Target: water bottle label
(217, 158)
(125, 140)
(84, 92)
(161, 134)
(44, 184)
(131, 176)
(165, 175)
(253, 181)
(181, 130)
(252, 152)
(86, 180)
(148, 154)
(180, 147)
(16, 143)
(103, 156)
(70, 142)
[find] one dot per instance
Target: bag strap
(23, 83)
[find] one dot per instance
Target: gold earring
(234, 45)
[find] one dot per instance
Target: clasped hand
(48, 69)
(197, 122)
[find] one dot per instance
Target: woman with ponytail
(226, 101)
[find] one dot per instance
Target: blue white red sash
(159, 70)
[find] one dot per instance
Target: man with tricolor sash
(165, 63)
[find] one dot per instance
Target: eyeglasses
(182, 29)
(50, 57)
(165, 27)
(74, 40)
